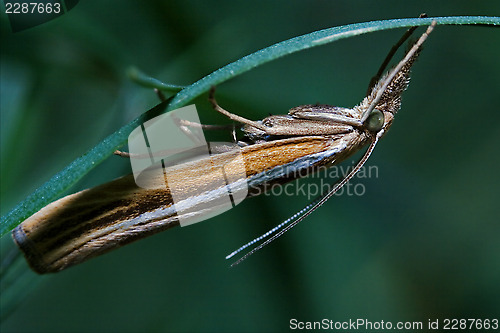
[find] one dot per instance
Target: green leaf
(63, 180)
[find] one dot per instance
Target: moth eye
(375, 121)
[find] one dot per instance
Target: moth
(278, 149)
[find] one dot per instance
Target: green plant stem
(63, 180)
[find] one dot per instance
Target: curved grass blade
(63, 180)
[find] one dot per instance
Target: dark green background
(421, 244)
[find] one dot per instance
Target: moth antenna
(279, 226)
(390, 55)
(273, 230)
(396, 70)
(298, 217)
(306, 211)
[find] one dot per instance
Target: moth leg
(232, 116)
(186, 123)
(121, 153)
(187, 126)
(130, 155)
(160, 95)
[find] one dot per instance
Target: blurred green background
(422, 243)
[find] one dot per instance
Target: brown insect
(278, 149)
